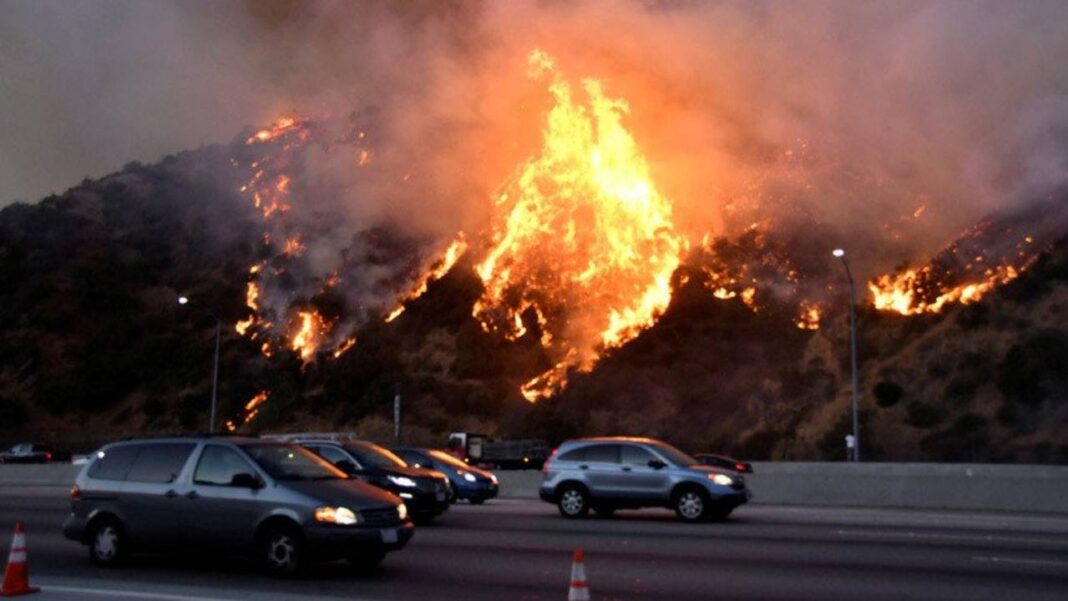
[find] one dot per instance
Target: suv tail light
(739, 467)
(545, 466)
(48, 456)
(75, 492)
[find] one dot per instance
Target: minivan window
(292, 462)
(635, 455)
(603, 453)
(160, 462)
(113, 463)
(218, 465)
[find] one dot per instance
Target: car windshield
(376, 456)
(449, 460)
(674, 455)
(291, 462)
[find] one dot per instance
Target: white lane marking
(150, 596)
(942, 536)
(1023, 560)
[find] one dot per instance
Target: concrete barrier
(1019, 488)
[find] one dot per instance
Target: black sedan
(426, 492)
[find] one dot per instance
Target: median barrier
(984, 487)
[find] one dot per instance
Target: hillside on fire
(743, 347)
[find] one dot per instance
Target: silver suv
(612, 473)
(231, 494)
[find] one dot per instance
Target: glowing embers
(581, 237)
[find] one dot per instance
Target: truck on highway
(30, 452)
(479, 449)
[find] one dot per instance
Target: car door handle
(626, 469)
(170, 494)
(192, 495)
(584, 467)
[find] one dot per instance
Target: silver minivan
(605, 474)
(231, 494)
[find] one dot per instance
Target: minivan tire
(282, 549)
(573, 501)
(691, 505)
(108, 544)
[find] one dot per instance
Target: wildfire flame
(308, 334)
(581, 237)
(438, 270)
(251, 410)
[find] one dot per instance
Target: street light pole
(183, 300)
(838, 252)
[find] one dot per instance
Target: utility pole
(184, 300)
(397, 415)
(840, 253)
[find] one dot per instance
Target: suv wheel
(283, 551)
(691, 505)
(573, 502)
(107, 544)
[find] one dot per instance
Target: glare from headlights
(402, 481)
(721, 479)
(342, 516)
(402, 511)
(468, 476)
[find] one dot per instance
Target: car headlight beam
(404, 481)
(721, 479)
(342, 516)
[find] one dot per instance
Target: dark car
(426, 492)
(277, 500)
(29, 452)
(727, 463)
(468, 482)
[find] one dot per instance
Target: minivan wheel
(691, 505)
(107, 544)
(573, 502)
(283, 552)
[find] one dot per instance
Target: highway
(520, 549)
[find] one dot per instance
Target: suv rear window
(160, 462)
(603, 453)
(573, 455)
(114, 463)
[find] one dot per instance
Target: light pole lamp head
(183, 300)
(838, 252)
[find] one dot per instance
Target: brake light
(545, 466)
(740, 467)
(75, 492)
(48, 456)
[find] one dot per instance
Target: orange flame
(438, 270)
(309, 334)
(904, 293)
(581, 236)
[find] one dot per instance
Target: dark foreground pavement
(514, 549)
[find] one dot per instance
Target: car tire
(365, 562)
(282, 549)
(476, 501)
(573, 501)
(691, 505)
(108, 545)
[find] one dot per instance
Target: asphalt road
(513, 549)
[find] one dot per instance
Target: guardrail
(1018, 488)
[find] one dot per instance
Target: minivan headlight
(402, 511)
(721, 479)
(342, 516)
(468, 476)
(404, 481)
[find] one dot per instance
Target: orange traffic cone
(580, 590)
(17, 574)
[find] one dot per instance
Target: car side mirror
(346, 466)
(246, 481)
(656, 464)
